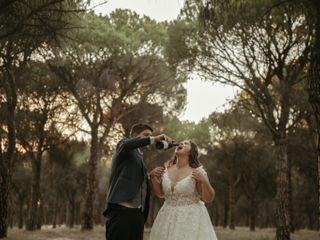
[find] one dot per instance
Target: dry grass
(60, 233)
(242, 233)
(63, 233)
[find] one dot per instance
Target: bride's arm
(155, 178)
(203, 186)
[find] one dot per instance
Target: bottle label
(165, 145)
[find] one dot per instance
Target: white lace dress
(183, 216)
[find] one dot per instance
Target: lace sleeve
(202, 170)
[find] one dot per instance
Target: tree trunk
(311, 220)
(4, 192)
(267, 215)
(91, 182)
(314, 87)
(282, 214)
(290, 199)
(226, 212)
(20, 220)
(55, 212)
(232, 202)
(11, 219)
(253, 209)
(63, 213)
(40, 214)
(71, 214)
(7, 158)
(216, 215)
(78, 213)
(34, 197)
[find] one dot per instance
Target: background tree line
(72, 84)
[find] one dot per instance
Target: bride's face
(184, 148)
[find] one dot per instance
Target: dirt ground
(64, 233)
(60, 233)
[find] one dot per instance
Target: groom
(127, 203)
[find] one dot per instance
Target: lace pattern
(176, 200)
(183, 216)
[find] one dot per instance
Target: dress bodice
(182, 216)
(183, 192)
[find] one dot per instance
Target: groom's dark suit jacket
(128, 173)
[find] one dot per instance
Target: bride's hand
(198, 176)
(157, 172)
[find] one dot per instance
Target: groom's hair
(138, 128)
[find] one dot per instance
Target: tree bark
(314, 87)
(40, 214)
(267, 211)
(55, 212)
(232, 201)
(253, 209)
(282, 196)
(91, 182)
(216, 215)
(4, 192)
(71, 214)
(226, 211)
(20, 220)
(34, 197)
(290, 198)
(7, 157)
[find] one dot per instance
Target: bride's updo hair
(193, 157)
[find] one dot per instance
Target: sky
(203, 97)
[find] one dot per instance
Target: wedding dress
(183, 215)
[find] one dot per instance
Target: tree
(257, 177)
(235, 132)
(303, 155)
(26, 26)
(40, 109)
(312, 9)
(67, 178)
(266, 60)
(21, 180)
(119, 66)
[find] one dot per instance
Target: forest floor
(64, 233)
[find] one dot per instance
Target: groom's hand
(163, 137)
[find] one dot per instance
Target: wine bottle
(165, 145)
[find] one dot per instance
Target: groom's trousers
(124, 223)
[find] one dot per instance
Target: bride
(185, 186)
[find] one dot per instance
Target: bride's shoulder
(201, 169)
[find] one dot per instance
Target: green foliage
(40, 108)
(183, 130)
(67, 167)
(302, 153)
(29, 24)
(264, 57)
(232, 13)
(21, 180)
(180, 49)
(123, 56)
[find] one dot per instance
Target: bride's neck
(182, 162)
